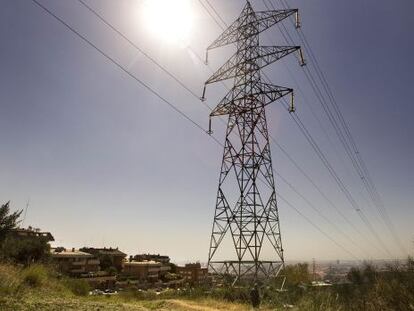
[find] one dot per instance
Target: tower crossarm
(259, 20)
(263, 93)
(258, 58)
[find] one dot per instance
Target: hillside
(77, 303)
(40, 288)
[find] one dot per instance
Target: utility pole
(246, 212)
(25, 211)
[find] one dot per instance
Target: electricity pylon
(246, 209)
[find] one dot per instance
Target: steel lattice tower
(246, 209)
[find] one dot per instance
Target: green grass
(40, 288)
(34, 276)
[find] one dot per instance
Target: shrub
(297, 274)
(34, 276)
(111, 270)
(134, 294)
(7, 221)
(26, 250)
(77, 286)
(9, 281)
(155, 305)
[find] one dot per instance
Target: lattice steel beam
(246, 209)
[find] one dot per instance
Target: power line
(283, 179)
(119, 66)
(215, 11)
(289, 157)
(25, 210)
(329, 201)
(246, 151)
(358, 160)
(322, 127)
(103, 20)
(317, 227)
(320, 213)
(337, 209)
(146, 86)
(349, 142)
(317, 91)
(338, 180)
(169, 73)
(211, 15)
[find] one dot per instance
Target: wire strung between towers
(284, 179)
(339, 182)
(46, 10)
(344, 134)
(365, 176)
(100, 17)
(184, 115)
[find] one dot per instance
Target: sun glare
(168, 20)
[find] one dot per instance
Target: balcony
(94, 262)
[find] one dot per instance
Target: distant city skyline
(106, 163)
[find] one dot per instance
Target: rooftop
(32, 232)
(142, 263)
(104, 251)
(71, 254)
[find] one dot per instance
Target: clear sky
(106, 163)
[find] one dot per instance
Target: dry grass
(38, 288)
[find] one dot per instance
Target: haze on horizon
(106, 163)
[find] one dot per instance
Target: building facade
(113, 255)
(31, 233)
(152, 257)
(143, 270)
(75, 263)
(193, 272)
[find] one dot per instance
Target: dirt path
(186, 305)
(33, 303)
(191, 306)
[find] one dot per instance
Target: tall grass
(77, 286)
(9, 282)
(368, 290)
(34, 276)
(17, 281)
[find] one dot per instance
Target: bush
(7, 221)
(34, 276)
(25, 250)
(77, 286)
(134, 294)
(111, 270)
(297, 274)
(9, 281)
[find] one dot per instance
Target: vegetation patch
(78, 287)
(34, 276)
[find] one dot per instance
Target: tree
(26, 250)
(23, 250)
(7, 221)
(106, 262)
(297, 274)
(355, 276)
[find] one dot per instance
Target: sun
(168, 20)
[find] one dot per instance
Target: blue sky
(106, 163)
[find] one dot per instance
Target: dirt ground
(84, 304)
